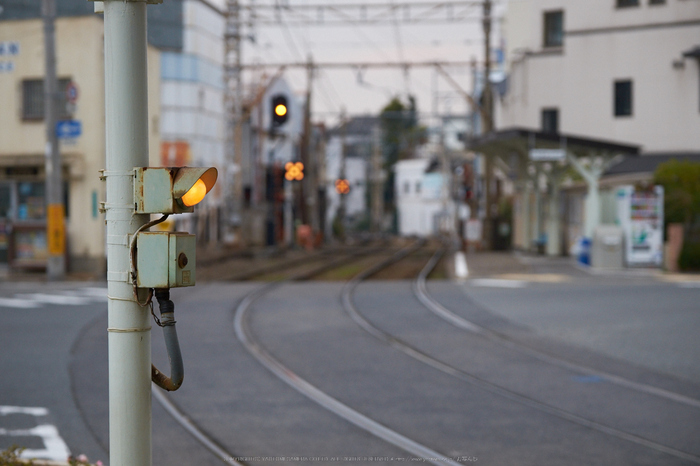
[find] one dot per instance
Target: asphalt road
(639, 329)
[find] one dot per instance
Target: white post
(553, 222)
(538, 207)
(129, 329)
(592, 208)
(591, 175)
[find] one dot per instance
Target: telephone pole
(377, 180)
(309, 159)
(55, 210)
(234, 111)
(487, 125)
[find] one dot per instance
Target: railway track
(247, 338)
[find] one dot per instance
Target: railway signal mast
(303, 15)
(233, 81)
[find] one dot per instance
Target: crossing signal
(294, 171)
(280, 110)
(171, 190)
(342, 186)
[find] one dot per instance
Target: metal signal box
(165, 259)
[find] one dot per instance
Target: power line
(330, 14)
(363, 65)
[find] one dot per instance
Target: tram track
(209, 441)
(480, 382)
(421, 292)
(264, 357)
(360, 420)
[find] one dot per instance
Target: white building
(420, 200)
(193, 120)
(607, 69)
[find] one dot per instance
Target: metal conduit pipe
(167, 321)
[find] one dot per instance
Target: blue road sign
(68, 129)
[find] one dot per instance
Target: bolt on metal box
(165, 259)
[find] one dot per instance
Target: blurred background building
(81, 133)
(613, 71)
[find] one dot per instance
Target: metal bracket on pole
(100, 5)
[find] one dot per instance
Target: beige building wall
(80, 57)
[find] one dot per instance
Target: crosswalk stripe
(77, 297)
(55, 299)
(55, 448)
(14, 302)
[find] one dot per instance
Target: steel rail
(421, 292)
(406, 348)
(186, 422)
(194, 430)
(246, 337)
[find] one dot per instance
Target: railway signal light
(342, 186)
(171, 190)
(294, 171)
(280, 110)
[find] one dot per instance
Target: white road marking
(18, 303)
(55, 299)
(93, 292)
(55, 449)
(5, 410)
(76, 297)
(461, 269)
(497, 283)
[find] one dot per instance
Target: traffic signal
(294, 171)
(171, 190)
(163, 259)
(342, 186)
(280, 110)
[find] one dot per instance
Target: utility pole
(446, 226)
(314, 168)
(487, 125)
(55, 210)
(377, 180)
(307, 185)
(234, 112)
(129, 331)
(343, 201)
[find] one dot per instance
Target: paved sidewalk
(521, 266)
(489, 264)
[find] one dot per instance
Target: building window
(417, 187)
(33, 99)
(554, 28)
(407, 187)
(626, 3)
(550, 120)
(657, 2)
(623, 98)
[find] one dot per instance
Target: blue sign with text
(68, 129)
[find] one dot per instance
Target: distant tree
(400, 130)
(681, 182)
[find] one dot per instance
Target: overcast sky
(335, 89)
